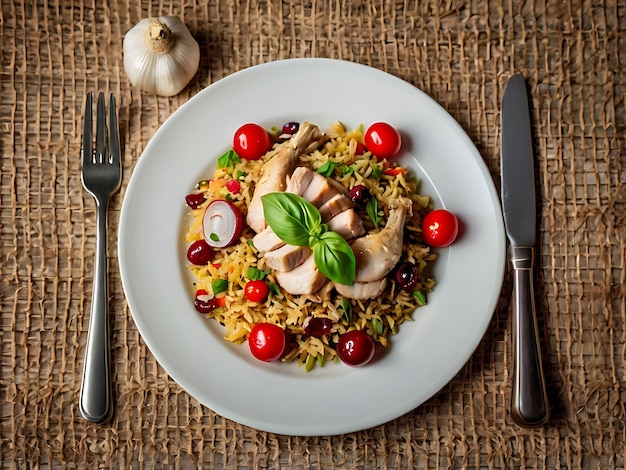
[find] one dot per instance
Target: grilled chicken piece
(347, 224)
(377, 254)
(267, 240)
(305, 279)
(335, 206)
(319, 190)
(275, 171)
(287, 257)
(362, 290)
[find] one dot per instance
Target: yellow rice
(380, 317)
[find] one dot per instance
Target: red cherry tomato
(440, 228)
(256, 291)
(383, 140)
(267, 341)
(251, 141)
(355, 348)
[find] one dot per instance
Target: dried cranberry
(207, 306)
(360, 194)
(291, 128)
(233, 186)
(317, 327)
(194, 200)
(407, 276)
(199, 253)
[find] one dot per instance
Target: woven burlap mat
(573, 55)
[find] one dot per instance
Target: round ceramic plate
(283, 398)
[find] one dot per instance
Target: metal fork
(101, 177)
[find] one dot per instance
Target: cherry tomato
(251, 141)
(383, 140)
(355, 348)
(440, 228)
(256, 291)
(200, 253)
(267, 341)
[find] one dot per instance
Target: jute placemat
(573, 54)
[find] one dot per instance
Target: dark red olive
(317, 327)
(407, 276)
(360, 194)
(194, 200)
(207, 306)
(200, 253)
(291, 128)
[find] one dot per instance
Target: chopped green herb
(309, 363)
(255, 274)
(420, 297)
(219, 285)
(372, 211)
(228, 160)
(377, 323)
(377, 172)
(274, 288)
(240, 175)
(214, 237)
(321, 360)
(327, 168)
(347, 310)
(347, 170)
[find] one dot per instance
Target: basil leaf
(291, 217)
(229, 159)
(372, 211)
(219, 285)
(334, 258)
(255, 274)
(327, 168)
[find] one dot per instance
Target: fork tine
(114, 133)
(101, 130)
(87, 150)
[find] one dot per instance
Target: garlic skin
(160, 55)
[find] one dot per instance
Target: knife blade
(529, 398)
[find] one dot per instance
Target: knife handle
(530, 399)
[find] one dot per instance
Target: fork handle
(96, 404)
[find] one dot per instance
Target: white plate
(282, 398)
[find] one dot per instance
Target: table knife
(529, 406)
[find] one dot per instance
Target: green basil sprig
(298, 222)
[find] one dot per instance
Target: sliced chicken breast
(335, 206)
(287, 257)
(266, 240)
(362, 290)
(305, 279)
(347, 224)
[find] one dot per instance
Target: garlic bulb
(160, 55)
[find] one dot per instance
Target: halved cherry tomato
(267, 341)
(355, 348)
(383, 140)
(251, 141)
(440, 228)
(256, 291)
